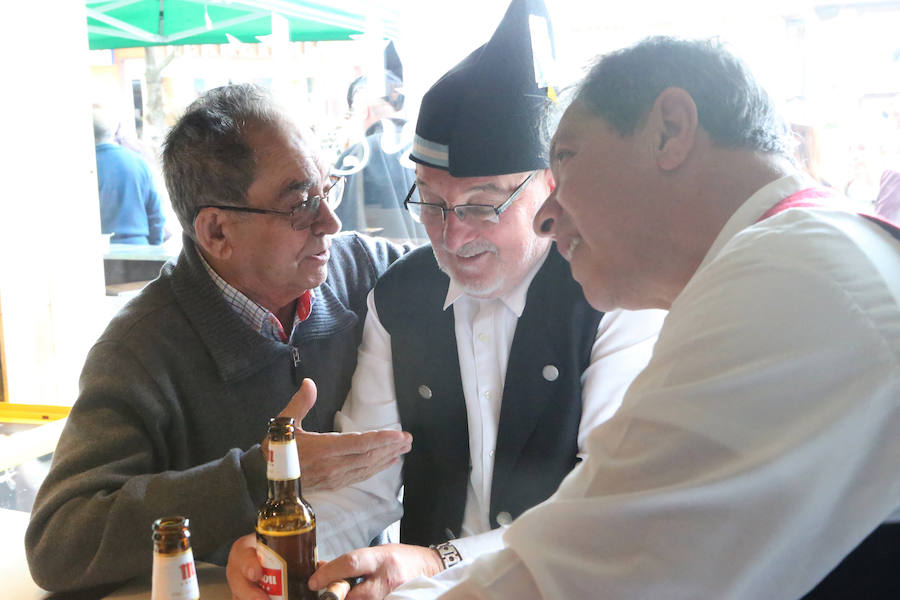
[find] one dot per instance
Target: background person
(759, 447)
(378, 174)
(887, 203)
(176, 394)
(130, 208)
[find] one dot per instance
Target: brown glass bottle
(174, 574)
(286, 523)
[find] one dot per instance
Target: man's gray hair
(206, 156)
(731, 105)
(104, 125)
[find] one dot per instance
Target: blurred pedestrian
(130, 207)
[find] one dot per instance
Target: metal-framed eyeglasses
(429, 213)
(303, 214)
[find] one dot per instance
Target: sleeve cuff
(473, 546)
(254, 466)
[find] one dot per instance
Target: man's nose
(546, 217)
(327, 221)
(457, 232)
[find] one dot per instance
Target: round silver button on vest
(550, 373)
(425, 392)
(504, 519)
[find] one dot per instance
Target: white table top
(16, 582)
(162, 252)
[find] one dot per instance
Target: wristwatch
(449, 554)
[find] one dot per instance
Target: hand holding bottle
(244, 573)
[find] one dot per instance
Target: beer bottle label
(283, 462)
(274, 577)
(174, 577)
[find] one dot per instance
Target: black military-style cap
(482, 118)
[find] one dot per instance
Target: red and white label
(283, 462)
(274, 577)
(174, 577)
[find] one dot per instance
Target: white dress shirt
(756, 450)
(351, 517)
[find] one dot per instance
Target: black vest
(870, 572)
(538, 429)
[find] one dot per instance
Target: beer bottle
(286, 524)
(174, 575)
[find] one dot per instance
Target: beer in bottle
(286, 524)
(174, 575)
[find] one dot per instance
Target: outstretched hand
(334, 460)
(382, 567)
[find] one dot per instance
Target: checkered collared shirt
(260, 319)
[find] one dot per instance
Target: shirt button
(425, 392)
(504, 519)
(550, 373)
(487, 395)
(482, 337)
(491, 453)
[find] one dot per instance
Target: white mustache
(474, 248)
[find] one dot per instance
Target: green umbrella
(130, 23)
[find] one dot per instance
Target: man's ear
(675, 116)
(211, 233)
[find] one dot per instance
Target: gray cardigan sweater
(174, 400)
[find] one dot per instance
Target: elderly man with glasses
(176, 394)
(480, 345)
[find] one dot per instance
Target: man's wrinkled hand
(243, 570)
(334, 460)
(382, 567)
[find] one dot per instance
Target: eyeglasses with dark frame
(304, 213)
(427, 212)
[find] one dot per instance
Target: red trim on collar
(304, 305)
(824, 198)
(808, 198)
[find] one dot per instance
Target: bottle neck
(284, 489)
(171, 545)
(283, 469)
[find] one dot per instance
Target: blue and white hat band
(430, 152)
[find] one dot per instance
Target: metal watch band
(449, 554)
